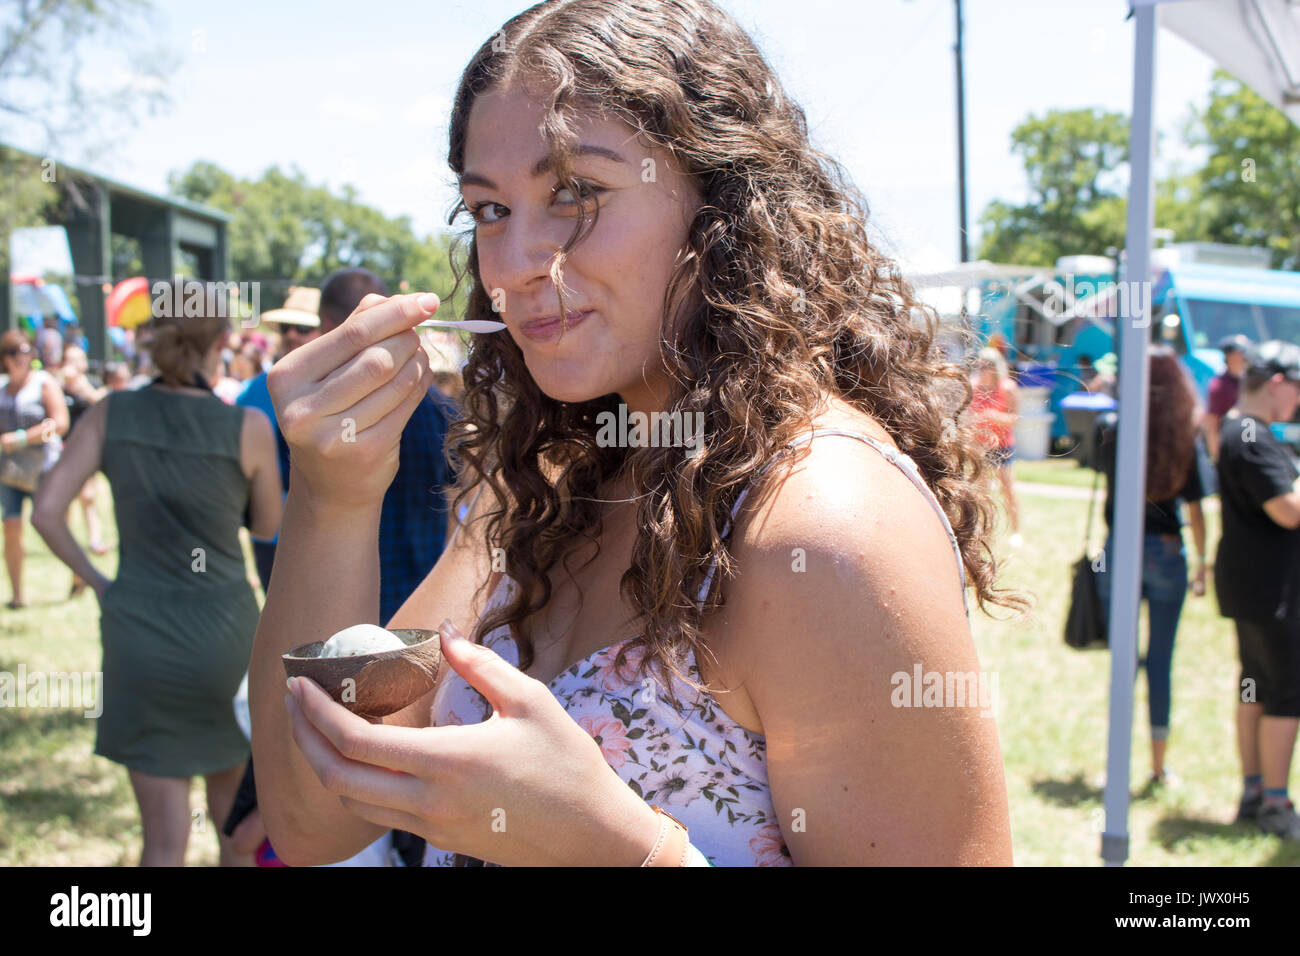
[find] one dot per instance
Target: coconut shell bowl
(373, 685)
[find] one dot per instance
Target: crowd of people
(1225, 446)
(832, 435)
(159, 438)
(1256, 569)
(189, 445)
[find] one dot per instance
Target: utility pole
(961, 145)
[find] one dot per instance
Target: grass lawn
(1053, 720)
(1055, 471)
(61, 805)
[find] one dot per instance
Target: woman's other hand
(527, 786)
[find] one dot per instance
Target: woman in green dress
(177, 622)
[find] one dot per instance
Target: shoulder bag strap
(1092, 502)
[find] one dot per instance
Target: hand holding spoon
(469, 325)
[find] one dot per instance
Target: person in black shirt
(1173, 476)
(1257, 578)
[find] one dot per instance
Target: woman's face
(18, 360)
(614, 279)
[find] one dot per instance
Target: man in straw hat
(298, 321)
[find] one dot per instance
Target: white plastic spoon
(469, 325)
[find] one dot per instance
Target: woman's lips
(544, 330)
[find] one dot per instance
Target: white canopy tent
(1258, 41)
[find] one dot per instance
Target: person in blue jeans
(1173, 478)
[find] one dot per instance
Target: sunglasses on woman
(22, 350)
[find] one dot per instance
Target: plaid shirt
(413, 525)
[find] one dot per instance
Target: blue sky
(360, 94)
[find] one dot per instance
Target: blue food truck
(1199, 293)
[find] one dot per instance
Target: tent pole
(1133, 324)
(962, 242)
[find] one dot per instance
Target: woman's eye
(477, 212)
(588, 192)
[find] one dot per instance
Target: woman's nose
(527, 249)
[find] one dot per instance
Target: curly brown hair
(1173, 419)
(777, 299)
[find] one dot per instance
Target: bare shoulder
(846, 580)
(256, 440)
(256, 426)
(839, 537)
(849, 518)
(51, 392)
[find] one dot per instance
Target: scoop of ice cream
(361, 639)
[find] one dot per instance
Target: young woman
(1173, 478)
(177, 622)
(995, 407)
(33, 421)
(717, 629)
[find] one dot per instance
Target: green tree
(43, 47)
(285, 228)
(430, 268)
(1247, 192)
(29, 195)
(1076, 202)
(44, 95)
(1249, 189)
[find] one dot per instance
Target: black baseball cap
(1274, 358)
(1234, 343)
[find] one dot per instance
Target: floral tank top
(699, 764)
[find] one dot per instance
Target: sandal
(16, 605)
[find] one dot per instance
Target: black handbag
(1085, 624)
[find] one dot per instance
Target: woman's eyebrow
(543, 164)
